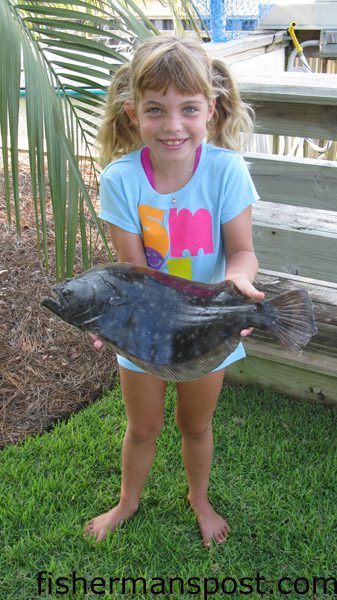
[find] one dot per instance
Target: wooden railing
(295, 231)
(252, 45)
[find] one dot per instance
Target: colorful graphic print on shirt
(185, 231)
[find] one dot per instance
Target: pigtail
(232, 116)
(117, 134)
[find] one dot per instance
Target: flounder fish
(173, 328)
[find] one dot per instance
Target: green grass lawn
(274, 478)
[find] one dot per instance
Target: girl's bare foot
(212, 526)
(109, 521)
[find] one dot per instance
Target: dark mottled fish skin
(171, 327)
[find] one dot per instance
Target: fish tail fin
(294, 324)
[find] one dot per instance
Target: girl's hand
(96, 341)
(247, 289)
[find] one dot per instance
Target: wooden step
(311, 376)
(296, 240)
(293, 103)
(299, 182)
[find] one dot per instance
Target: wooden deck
(295, 230)
(252, 45)
(294, 104)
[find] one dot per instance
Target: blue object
(226, 19)
(94, 91)
(241, 23)
(217, 21)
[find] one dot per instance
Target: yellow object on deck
(291, 31)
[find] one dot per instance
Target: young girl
(178, 204)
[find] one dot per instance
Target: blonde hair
(162, 61)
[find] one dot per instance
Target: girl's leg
(144, 397)
(195, 407)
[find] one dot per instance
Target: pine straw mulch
(48, 369)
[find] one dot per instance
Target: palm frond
(64, 53)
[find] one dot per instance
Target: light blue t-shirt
(181, 231)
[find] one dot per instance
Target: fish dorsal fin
(191, 288)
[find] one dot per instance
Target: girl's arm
(129, 246)
(241, 262)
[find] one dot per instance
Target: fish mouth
(58, 304)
